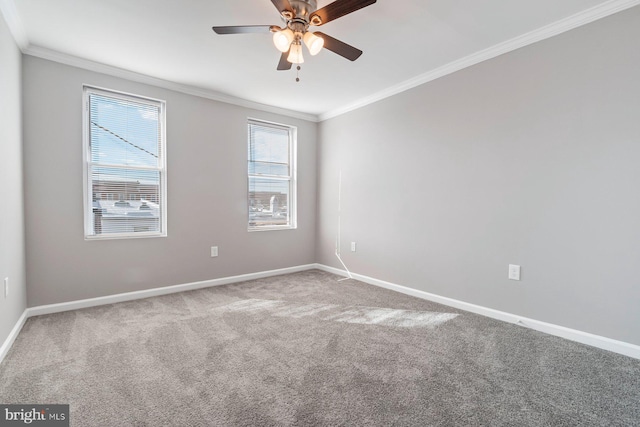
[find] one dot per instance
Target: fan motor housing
(303, 8)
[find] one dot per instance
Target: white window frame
(292, 178)
(89, 232)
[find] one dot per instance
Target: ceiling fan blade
(243, 29)
(282, 5)
(341, 48)
(284, 64)
(337, 9)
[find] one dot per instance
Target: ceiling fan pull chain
(297, 73)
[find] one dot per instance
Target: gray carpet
(305, 349)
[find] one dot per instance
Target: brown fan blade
(243, 29)
(337, 9)
(282, 5)
(341, 48)
(284, 64)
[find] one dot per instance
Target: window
(125, 165)
(272, 176)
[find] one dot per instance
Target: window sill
(272, 228)
(124, 236)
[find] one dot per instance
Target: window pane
(125, 200)
(268, 150)
(124, 132)
(268, 202)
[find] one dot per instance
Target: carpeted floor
(305, 349)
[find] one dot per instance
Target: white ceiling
(404, 42)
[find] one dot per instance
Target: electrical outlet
(214, 251)
(514, 272)
(6, 287)
(353, 246)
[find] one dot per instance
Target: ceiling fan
(299, 15)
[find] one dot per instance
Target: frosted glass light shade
(282, 39)
(295, 54)
(313, 42)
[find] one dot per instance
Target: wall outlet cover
(514, 272)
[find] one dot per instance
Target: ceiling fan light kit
(295, 53)
(299, 15)
(283, 39)
(313, 42)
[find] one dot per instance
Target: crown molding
(16, 27)
(12, 18)
(574, 21)
(63, 58)
(10, 13)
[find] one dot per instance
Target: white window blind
(271, 176)
(125, 165)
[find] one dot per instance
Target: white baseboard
(604, 343)
(4, 349)
(147, 293)
(129, 296)
(598, 341)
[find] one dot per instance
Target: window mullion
(278, 177)
(125, 167)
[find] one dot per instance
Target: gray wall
(206, 166)
(532, 158)
(12, 260)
